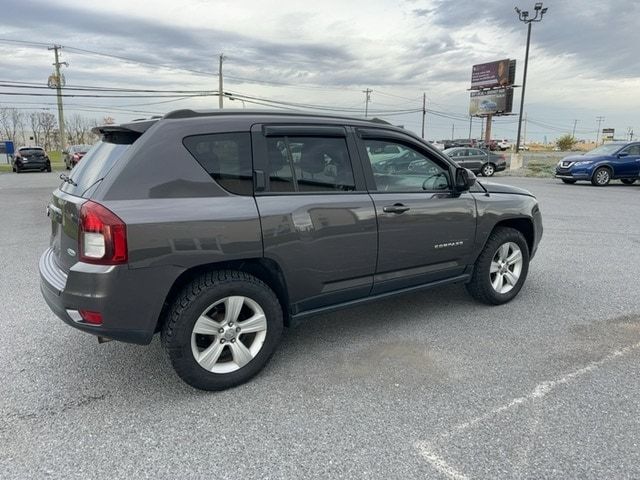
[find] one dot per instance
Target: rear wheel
(601, 177)
(628, 181)
(488, 169)
(222, 329)
(569, 181)
(501, 268)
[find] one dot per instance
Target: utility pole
(424, 110)
(573, 133)
(487, 130)
(524, 136)
(470, 125)
(453, 130)
(58, 85)
(524, 17)
(367, 99)
(630, 133)
(220, 83)
(599, 119)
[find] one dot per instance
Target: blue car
(612, 161)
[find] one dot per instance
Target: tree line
(41, 128)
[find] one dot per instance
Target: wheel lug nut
(231, 324)
(221, 330)
(233, 340)
(237, 329)
(222, 340)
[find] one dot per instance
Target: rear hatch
(78, 187)
(33, 155)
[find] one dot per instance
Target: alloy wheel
(506, 267)
(229, 334)
(488, 170)
(602, 177)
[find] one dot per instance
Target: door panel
(430, 241)
(325, 244)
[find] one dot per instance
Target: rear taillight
(103, 236)
(94, 318)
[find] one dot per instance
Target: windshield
(94, 167)
(607, 149)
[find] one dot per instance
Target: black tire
(479, 287)
(49, 169)
(17, 170)
(628, 181)
(601, 177)
(568, 180)
(192, 301)
(488, 169)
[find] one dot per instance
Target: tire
(601, 177)
(207, 296)
(481, 286)
(568, 180)
(17, 170)
(488, 169)
(628, 181)
(49, 169)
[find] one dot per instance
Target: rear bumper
(130, 301)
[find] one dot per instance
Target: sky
(583, 61)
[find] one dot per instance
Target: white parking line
(540, 391)
(439, 463)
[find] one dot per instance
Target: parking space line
(439, 463)
(544, 388)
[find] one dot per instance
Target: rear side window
(94, 167)
(226, 157)
(309, 164)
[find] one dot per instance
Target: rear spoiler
(125, 132)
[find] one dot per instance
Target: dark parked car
(30, 158)
(478, 161)
(611, 161)
(206, 229)
(74, 154)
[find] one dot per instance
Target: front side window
(227, 159)
(309, 164)
(408, 170)
(632, 150)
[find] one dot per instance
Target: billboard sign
(608, 133)
(493, 74)
(491, 102)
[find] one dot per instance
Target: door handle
(395, 208)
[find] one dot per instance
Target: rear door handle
(395, 208)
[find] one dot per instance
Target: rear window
(226, 157)
(31, 151)
(94, 167)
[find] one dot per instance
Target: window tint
(309, 164)
(226, 157)
(406, 171)
(632, 150)
(94, 167)
(475, 151)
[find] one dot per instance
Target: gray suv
(217, 229)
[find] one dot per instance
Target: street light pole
(524, 17)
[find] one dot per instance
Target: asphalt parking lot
(421, 386)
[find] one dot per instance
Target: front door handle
(395, 208)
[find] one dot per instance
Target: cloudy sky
(584, 59)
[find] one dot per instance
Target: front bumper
(130, 301)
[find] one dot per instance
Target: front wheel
(628, 181)
(501, 268)
(488, 170)
(601, 177)
(222, 329)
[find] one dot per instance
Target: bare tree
(36, 128)
(11, 123)
(49, 129)
(79, 129)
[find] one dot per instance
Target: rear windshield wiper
(65, 178)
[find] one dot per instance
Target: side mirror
(623, 154)
(465, 179)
